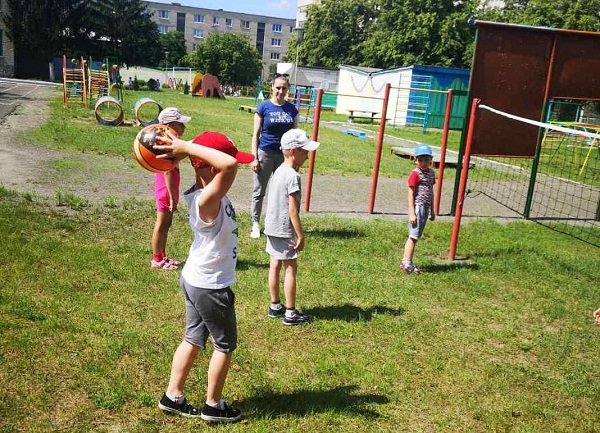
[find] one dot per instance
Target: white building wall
(359, 90)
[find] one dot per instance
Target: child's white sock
(178, 399)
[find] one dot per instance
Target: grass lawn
(76, 129)
(504, 343)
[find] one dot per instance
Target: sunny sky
(272, 8)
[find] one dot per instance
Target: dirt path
(26, 167)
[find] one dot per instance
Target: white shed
(363, 89)
(417, 96)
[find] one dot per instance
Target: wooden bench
(371, 116)
(366, 114)
(247, 108)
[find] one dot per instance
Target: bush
(138, 84)
(152, 84)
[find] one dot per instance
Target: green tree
(122, 29)
(427, 32)
(334, 33)
(231, 57)
(174, 44)
(41, 28)
(566, 14)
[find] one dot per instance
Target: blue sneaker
(275, 313)
(297, 318)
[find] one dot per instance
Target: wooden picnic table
(368, 114)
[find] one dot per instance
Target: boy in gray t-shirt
(285, 237)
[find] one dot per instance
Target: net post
(538, 148)
(534, 169)
(379, 147)
(312, 156)
(463, 179)
(442, 162)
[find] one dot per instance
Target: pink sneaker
(173, 261)
(163, 264)
(407, 267)
(417, 270)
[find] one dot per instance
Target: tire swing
(138, 106)
(106, 102)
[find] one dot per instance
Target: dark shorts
(210, 311)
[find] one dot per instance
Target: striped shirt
(422, 181)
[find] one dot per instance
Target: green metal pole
(538, 148)
(534, 169)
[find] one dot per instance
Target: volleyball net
(559, 187)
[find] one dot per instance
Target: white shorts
(281, 248)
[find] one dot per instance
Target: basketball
(145, 153)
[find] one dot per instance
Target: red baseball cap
(221, 142)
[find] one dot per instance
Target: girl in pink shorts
(166, 193)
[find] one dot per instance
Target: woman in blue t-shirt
(272, 119)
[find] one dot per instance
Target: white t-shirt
(285, 181)
(213, 254)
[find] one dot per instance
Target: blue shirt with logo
(277, 120)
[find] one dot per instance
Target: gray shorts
(281, 248)
(210, 311)
(415, 231)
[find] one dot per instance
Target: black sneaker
(183, 408)
(221, 413)
(297, 318)
(273, 314)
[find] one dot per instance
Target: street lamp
(299, 35)
(166, 56)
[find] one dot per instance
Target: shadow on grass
(341, 399)
(244, 265)
(342, 233)
(450, 267)
(351, 313)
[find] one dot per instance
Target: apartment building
(270, 35)
(301, 14)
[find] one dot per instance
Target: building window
(199, 19)
(163, 15)
(228, 22)
(198, 34)
(277, 28)
(163, 29)
(216, 21)
(245, 24)
(275, 42)
(274, 56)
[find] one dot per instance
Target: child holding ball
(166, 194)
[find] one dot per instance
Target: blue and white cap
(423, 150)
